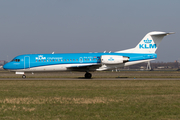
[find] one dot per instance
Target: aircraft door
(26, 62)
(81, 60)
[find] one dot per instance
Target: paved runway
(89, 79)
(106, 75)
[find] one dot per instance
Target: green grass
(90, 100)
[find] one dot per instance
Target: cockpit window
(15, 60)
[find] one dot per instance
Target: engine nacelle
(113, 59)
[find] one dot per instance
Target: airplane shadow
(92, 78)
(84, 78)
(121, 77)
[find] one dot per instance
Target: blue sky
(68, 26)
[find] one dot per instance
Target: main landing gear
(88, 75)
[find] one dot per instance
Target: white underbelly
(46, 68)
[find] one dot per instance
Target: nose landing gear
(23, 76)
(88, 75)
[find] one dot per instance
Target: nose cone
(7, 66)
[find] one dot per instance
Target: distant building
(161, 67)
(2, 62)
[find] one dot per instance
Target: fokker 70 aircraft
(86, 62)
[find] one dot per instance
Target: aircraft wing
(84, 67)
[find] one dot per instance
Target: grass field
(87, 99)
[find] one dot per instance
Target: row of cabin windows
(65, 60)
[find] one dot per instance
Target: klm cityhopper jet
(86, 62)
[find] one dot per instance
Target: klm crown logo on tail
(147, 41)
(147, 45)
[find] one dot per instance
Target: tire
(23, 76)
(88, 75)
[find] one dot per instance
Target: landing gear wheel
(88, 75)
(24, 76)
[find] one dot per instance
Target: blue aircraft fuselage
(40, 60)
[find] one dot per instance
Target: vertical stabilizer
(148, 44)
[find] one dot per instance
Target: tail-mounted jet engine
(113, 59)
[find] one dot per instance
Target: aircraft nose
(6, 66)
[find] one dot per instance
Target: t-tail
(149, 43)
